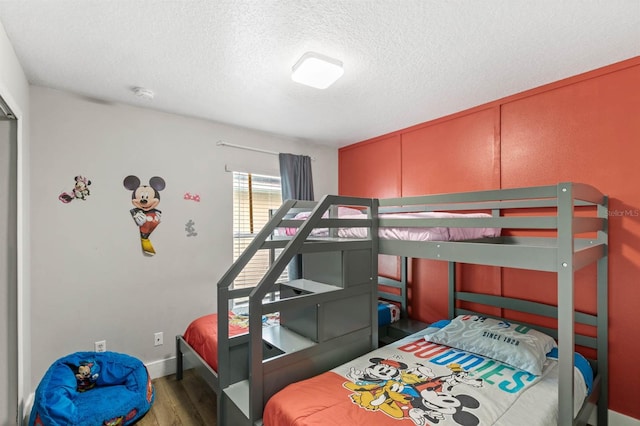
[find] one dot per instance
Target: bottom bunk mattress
(202, 333)
(418, 382)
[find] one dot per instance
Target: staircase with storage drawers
(327, 317)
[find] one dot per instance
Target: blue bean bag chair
(91, 388)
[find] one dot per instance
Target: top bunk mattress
(436, 233)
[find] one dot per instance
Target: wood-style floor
(188, 402)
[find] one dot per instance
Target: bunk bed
(324, 318)
(392, 295)
(393, 319)
(569, 231)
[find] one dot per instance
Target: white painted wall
(90, 280)
(14, 281)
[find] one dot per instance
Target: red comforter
(202, 335)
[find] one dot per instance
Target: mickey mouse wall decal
(145, 199)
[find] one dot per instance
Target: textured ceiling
(406, 61)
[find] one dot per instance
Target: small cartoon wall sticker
(191, 232)
(80, 190)
(145, 199)
(193, 197)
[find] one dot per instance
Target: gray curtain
(295, 177)
(297, 184)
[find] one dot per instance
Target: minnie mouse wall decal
(193, 197)
(80, 190)
(145, 199)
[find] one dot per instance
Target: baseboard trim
(167, 366)
(28, 404)
(617, 419)
(161, 368)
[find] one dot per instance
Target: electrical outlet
(100, 346)
(157, 339)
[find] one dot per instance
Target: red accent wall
(372, 169)
(588, 131)
(461, 154)
(464, 154)
(583, 129)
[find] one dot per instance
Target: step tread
(310, 286)
(239, 393)
(286, 340)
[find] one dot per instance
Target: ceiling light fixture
(316, 70)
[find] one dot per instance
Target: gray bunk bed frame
(575, 214)
(405, 325)
(327, 317)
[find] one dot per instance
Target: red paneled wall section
(373, 170)
(460, 154)
(588, 131)
(584, 129)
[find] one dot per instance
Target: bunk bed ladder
(228, 373)
(311, 336)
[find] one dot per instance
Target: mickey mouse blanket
(418, 382)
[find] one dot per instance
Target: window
(253, 197)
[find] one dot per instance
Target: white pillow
(514, 344)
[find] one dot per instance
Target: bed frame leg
(178, 360)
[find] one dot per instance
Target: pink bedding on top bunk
(437, 233)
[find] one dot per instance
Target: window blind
(253, 197)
